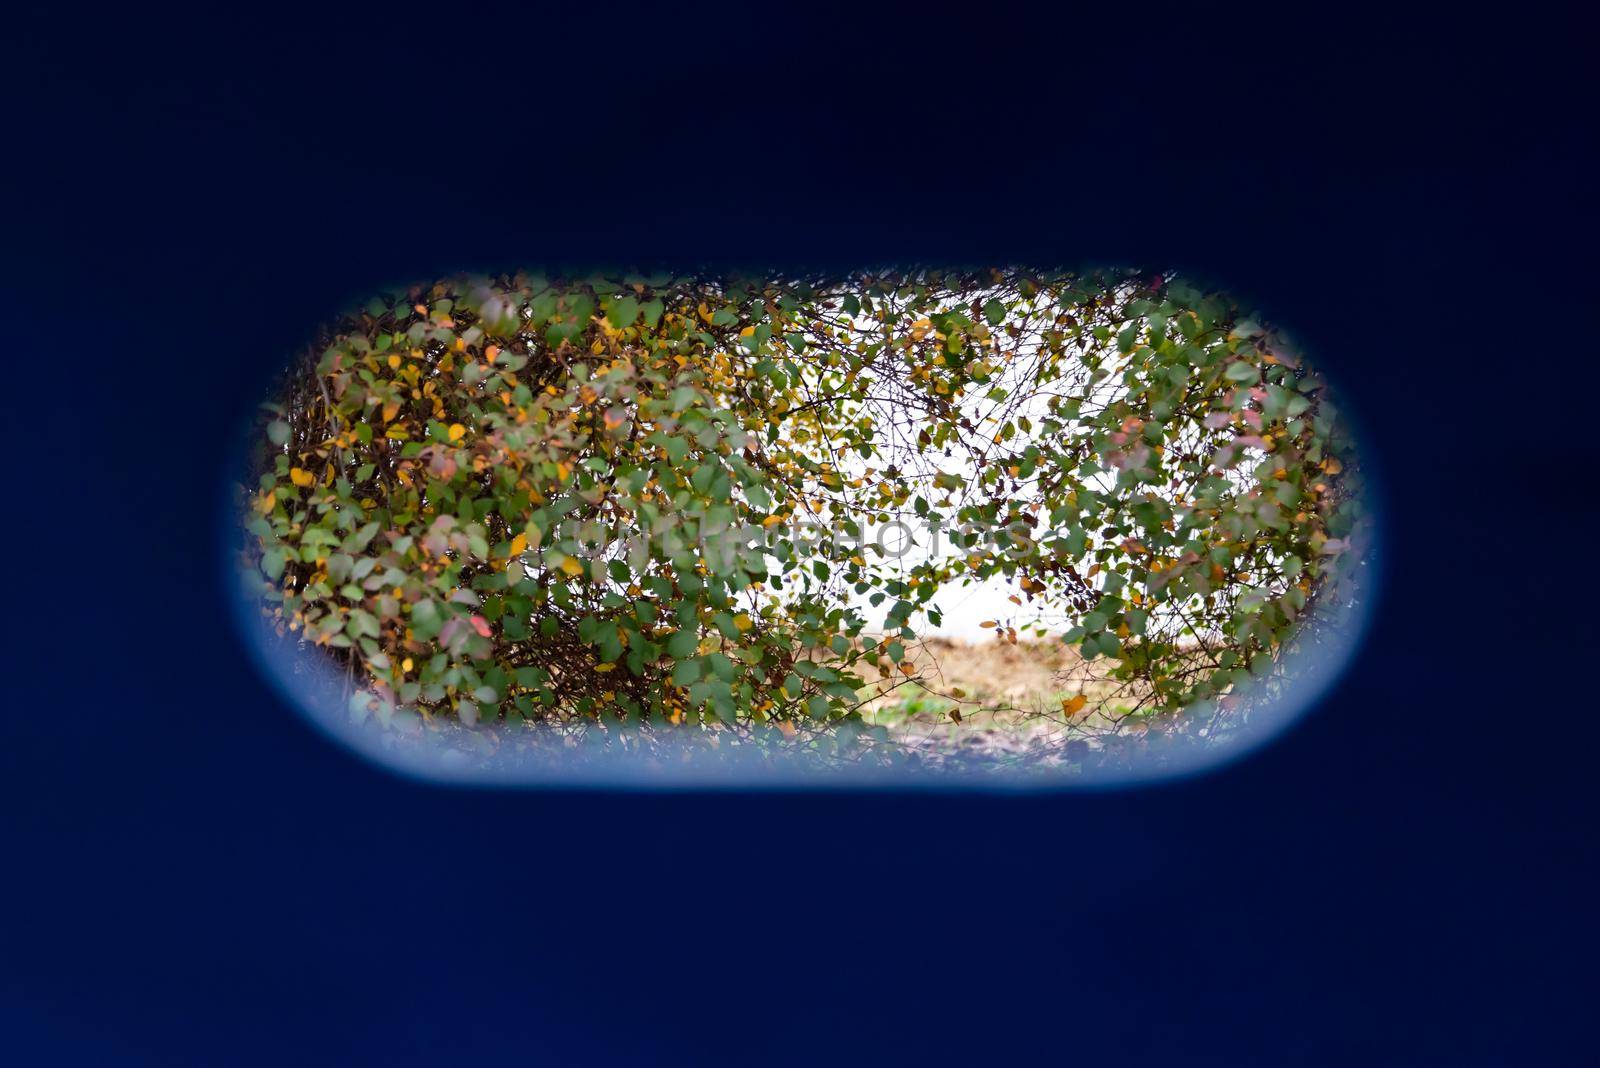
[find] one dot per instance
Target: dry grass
(1002, 700)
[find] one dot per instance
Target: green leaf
(622, 311)
(683, 397)
(683, 644)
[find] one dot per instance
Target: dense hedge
(491, 496)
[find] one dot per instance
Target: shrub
(649, 498)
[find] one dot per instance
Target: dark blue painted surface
(191, 875)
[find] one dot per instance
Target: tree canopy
(653, 499)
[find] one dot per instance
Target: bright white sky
(967, 606)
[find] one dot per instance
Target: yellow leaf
(457, 431)
(394, 361)
(301, 477)
(602, 668)
(1074, 705)
(406, 664)
(743, 621)
(986, 624)
(571, 567)
(519, 544)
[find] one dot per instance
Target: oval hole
(991, 527)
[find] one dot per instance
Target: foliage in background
(489, 496)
